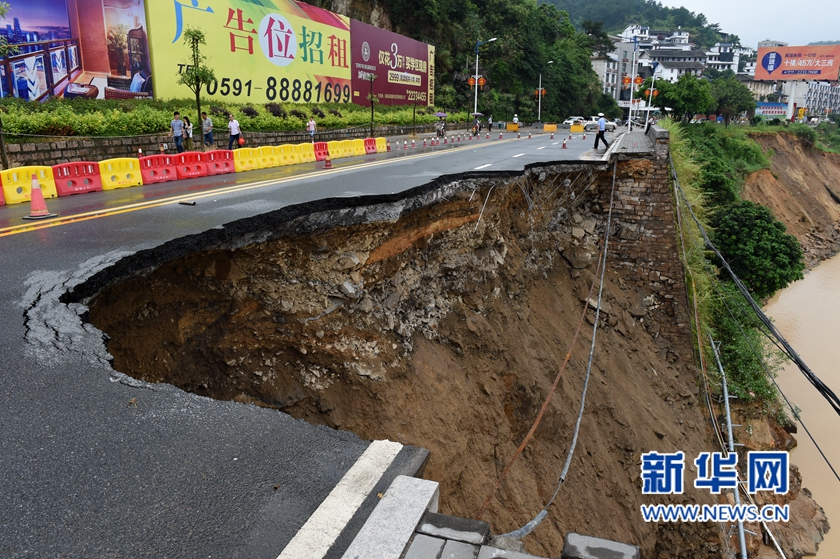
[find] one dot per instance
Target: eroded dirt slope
(802, 187)
(441, 322)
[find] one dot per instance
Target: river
(808, 314)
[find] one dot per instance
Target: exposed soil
(443, 325)
(802, 187)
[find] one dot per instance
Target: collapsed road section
(439, 318)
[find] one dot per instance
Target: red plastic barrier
(190, 164)
(370, 146)
(322, 151)
(219, 161)
(158, 168)
(77, 177)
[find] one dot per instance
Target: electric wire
(815, 381)
(530, 526)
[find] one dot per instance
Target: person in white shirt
(235, 132)
(602, 127)
(311, 128)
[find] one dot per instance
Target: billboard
(798, 63)
(771, 109)
(76, 48)
(272, 51)
(404, 69)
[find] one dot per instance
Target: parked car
(573, 120)
(592, 124)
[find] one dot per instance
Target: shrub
(757, 247)
(249, 111)
(276, 110)
(335, 112)
(297, 114)
(318, 112)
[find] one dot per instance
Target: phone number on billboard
(284, 89)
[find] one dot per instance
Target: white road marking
(483, 166)
(555, 143)
(519, 155)
(543, 147)
(318, 534)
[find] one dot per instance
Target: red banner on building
(818, 63)
(403, 68)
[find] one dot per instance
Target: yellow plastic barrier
(17, 183)
(336, 149)
(550, 127)
(513, 127)
(381, 145)
(359, 147)
(268, 156)
(306, 153)
(576, 128)
(349, 148)
(120, 172)
(289, 154)
(245, 159)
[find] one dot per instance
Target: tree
(732, 97)
(600, 41)
(687, 96)
(757, 247)
(197, 74)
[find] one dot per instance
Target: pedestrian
(176, 130)
(207, 129)
(515, 119)
(188, 133)
(490, 122)
(602, 127)
(311, 128)
(235, 132)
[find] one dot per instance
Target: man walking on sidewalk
(602, 127)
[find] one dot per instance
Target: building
(672, 62)
(607, 72)
(722, 57)
(760, 89)
(771, 43)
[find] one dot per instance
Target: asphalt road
(95, 464)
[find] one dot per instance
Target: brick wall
(646, 244)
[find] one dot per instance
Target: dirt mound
(441, 321)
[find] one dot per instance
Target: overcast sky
(796, 23)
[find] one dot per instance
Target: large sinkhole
(437, 319)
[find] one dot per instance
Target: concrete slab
(449, 527)
(459, 550)
(578, 546)
(424, 547)
(390, 526)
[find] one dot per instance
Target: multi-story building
(723, 56)
(607, 72)
(759, 89)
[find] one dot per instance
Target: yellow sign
(275, 50)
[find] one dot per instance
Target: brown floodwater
(808, 314)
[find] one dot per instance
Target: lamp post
(540, 94)
(478, 44)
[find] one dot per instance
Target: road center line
(319, 533)
(483, 166)
(555, 143)
(519, 155)
(543, 147)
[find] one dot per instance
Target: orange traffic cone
(444, 140)
(570, 135)
(412, 144)
(327, 163)
(389, 145)
(488, 135)
(518, 135)
(405, 144)
(529, 134)
(424, 142)
(500, 135)
(584, 135)
(37, 206)
(564, 144)
(552, 135)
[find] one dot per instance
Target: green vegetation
(197, 74)
(712, 163)
(690, 95)
(828, 136)
(757, 246)
(618, 14)
(93, 117)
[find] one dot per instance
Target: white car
(592, 124)
(573, 120)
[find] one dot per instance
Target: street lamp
(478, 44)
(540, 94)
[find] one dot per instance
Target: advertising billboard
(76, 48)
(404, 69)
(260, 52)
(798, 63)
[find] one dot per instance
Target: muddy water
(808, 315)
